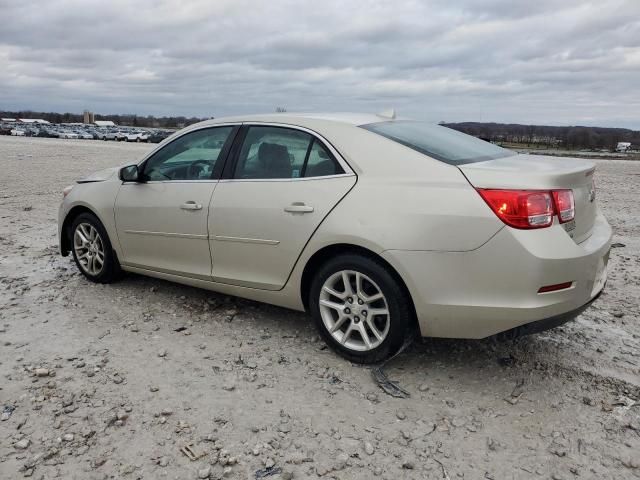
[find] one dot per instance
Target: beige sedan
(375, 226)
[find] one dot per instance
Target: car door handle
(191, 205)
(298, 207)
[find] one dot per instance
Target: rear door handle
(298, 207)
(191, 205)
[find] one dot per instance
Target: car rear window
(441, 143)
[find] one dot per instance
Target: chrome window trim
(182, 133)
(349, 172)
(204, 180)
(323, 141)
(298, 179)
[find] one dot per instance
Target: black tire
(111, 267)
(401, 316)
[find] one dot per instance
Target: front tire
(92, 250)
(360, 309)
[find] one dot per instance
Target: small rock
(458, 422)
(153, 388)
(492, 444)
(424, 387)
(401, 415)
(41, 372)
(22, 444)
(162, 353)
(342, 461)
(204, 472)
(368, 448)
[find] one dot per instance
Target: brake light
(521, 208)
(565, 205)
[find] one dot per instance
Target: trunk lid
(537, 172)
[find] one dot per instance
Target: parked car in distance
(67, 134)
(16, 132)
(120, 136)
(107, 135)
(377, 227)
(135, 136)
(158, 136)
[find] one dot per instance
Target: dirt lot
(112, 381)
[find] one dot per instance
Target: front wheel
(360, 308)
(92, 250)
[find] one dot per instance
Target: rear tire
(92, 250)
(366, 321)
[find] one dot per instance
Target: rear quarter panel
(404, 200)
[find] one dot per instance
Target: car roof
(301, 119)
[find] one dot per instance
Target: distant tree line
(126, 119)
(548, 136)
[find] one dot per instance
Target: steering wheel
(196, 168)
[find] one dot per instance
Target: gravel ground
(113, 381)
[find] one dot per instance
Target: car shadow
(474, 359)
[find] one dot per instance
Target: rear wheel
(92, 249)
(360, 308)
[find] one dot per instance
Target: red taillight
(530, 208)
(521, 208)
(565, 205)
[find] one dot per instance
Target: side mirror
(129, 174)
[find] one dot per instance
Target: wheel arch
(65, 236)
(329, 251)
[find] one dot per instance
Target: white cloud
(551, 62)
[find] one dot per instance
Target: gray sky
(555, 62)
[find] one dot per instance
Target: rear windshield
(441, 143)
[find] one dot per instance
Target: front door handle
(191, 205)
(298, 207)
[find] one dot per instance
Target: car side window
(192, 156)
(281, 153)
(320, 162)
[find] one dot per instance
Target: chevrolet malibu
(374, 225)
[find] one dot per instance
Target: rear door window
(281, 153)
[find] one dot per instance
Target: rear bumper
(547, 323)
(494, 288)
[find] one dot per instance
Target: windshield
(441, 143)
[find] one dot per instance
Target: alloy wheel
(354, 310)
(89, 248)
